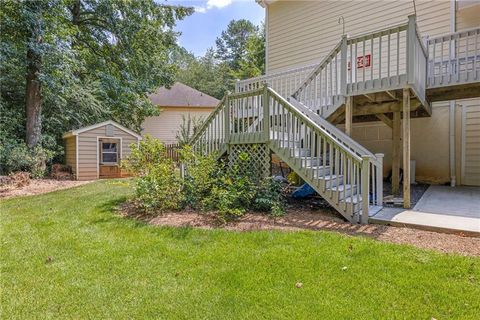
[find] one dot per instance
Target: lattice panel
(251, 159)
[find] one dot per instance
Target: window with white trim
(109, 152)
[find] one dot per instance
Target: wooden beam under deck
(385, 119)
(465, 91)
(386, 107)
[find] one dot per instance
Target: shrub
(158, 185)
(207, 185)
(231, 196)
(16, 156)
(201, 174)
(160, 189)
(269, 197)
(144, 156)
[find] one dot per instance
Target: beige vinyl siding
(71, 153)
(88, 150)
(303, 32)
(167, 124)
(471, 174)
(468, 17)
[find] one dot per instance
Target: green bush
(208, 184)
(230, 196)
(158, 185)
(230, 192)
(160, 189)
(16, 156)
(201, 175)
(269, 197)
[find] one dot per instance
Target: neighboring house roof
(180, 95)
(98, 125)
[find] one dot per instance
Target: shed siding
(303, 32)
(167, 124)
(71, 153)
(88, 152)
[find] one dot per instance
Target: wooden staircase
(294, 112)
(338, 168)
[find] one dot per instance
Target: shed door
(471, 145)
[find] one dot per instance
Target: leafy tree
(206, 74)
(239, 54)
(232, 43)
(69, 63)
(252, 64)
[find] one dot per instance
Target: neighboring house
(176, 103)
(302, 33)
(95, 152)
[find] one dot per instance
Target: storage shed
(95, 152)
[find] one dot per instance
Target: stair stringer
(351, 211)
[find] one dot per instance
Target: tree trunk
(33, 100)
(33, 103)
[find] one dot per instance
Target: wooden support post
(365, 188)
(266, 114)
(396, 153)
(406, 148)
(348, 116)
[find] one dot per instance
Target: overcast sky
(200, 30)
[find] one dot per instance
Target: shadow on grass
(110, 212)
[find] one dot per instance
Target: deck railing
(383, 60)
(212, 136)
(284, 82)
(454, 58)
(325, 86)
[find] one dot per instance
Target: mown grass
(68, 255)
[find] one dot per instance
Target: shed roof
(180, 95)
(98, 125)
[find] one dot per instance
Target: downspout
(452, 104)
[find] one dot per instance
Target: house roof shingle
(180, 95)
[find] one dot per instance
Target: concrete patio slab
(442, 208)
(427, 221)
(458, 201)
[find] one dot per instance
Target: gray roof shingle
(180, 95)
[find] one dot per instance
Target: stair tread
(342, 187)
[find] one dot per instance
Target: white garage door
(471, 147)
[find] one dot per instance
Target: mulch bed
(308, 216)
(37, 186)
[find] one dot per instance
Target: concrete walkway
(441, 208)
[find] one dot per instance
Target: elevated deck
(374, 68)
(391, 75)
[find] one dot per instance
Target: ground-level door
(471, 144)
(109, 158)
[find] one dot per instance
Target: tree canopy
(239, 54)
(65, 64)
(69, 63)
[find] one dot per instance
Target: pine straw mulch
(38, 186)
(306, 218)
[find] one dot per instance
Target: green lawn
(105, 266)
